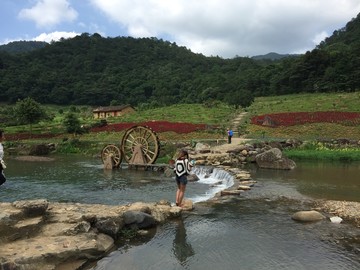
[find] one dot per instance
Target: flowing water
(253, 231)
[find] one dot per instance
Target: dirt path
(236, 139)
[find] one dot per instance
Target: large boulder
(274, 159)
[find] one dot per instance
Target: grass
(216, 114)
(346, 102)
(333, 155)
(343, 102)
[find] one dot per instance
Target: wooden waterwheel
(113, 153)
(139, 146)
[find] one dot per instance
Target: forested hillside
(22, 46)
(93, 70)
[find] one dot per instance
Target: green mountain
(273, 56)
(22, 46)
(92, 70)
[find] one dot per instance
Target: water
(233, 237)
(253, 231)
(75, 179)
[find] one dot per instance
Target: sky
(225, 28)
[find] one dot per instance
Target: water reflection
(181, 248)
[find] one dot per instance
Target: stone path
(236, 140)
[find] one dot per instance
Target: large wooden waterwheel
(139, 145)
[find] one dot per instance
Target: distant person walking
(182, 169)
(2, 163)
(230, 133)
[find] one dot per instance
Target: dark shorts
(181, 179)
(2, 177)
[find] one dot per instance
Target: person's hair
(1, 133)
(184, 153)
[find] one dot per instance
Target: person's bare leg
(177, 196)
(181, 194)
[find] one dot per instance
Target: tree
(28, 111)
(242, 98)
(72, 124)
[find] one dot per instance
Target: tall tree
(28, 111)
(72, 124)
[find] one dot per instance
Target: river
(252, 231)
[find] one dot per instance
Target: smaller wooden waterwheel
(111, 153)
(140, 145)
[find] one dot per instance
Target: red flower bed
(298, 118)
(157, 126)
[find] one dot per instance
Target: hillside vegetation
(92, 70)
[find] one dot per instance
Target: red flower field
(299, 118)
(157, 126)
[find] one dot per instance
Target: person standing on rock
(2, 163)
(182, 169)
(230, 134)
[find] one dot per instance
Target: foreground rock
(41, 235)
(308, 216)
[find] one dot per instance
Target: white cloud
(320, 37)
(49, 13)
(55, 36)
(233, 27)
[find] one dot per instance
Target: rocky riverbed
(48, 235)
(37, 234)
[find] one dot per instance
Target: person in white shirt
(2, 163)
(182, 169)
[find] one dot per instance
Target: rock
(39, 150)
(243, 176)
(32, 207)
(244, 152)
(308, 216)
(248, 182)
(243, 187)
(140, 219)
(230, 192)
(336, 220)
(110, 226)
(187, 205)
(192, 177)
(140, 207)
(202, 148)
(273, 159)
(201, 162)
(69, 234)
(163, 202)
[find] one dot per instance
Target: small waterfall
(217, 179)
